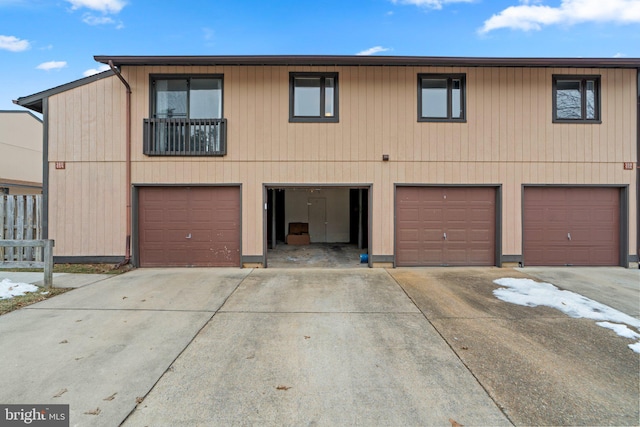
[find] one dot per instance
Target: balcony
(185, 137)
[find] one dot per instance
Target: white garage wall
(337, 205)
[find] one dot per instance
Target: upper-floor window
(441, 97)
(188, 97)
(576, 99)
(186, 117)
(313, 97)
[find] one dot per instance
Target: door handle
(189, 236)
(569, 236)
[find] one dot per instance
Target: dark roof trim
(356, 60)
(21, 112)
(34, 102)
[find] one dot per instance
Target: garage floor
(324, 255)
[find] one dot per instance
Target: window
(188, 97)
(576, 99)
(313, 97)
(186, 117)
(441, 98)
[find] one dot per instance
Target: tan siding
(508, 139)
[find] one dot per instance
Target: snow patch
(9, 289)
(530, 293)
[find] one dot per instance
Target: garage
(189, 226)
(571, 226)
(446, 226)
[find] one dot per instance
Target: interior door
(317, 220)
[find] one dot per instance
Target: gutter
(127, 257)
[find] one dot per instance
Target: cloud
(529, 16)
(52, 65)
(13, 44)
(97, 20)
(92, 71)
(620, 55)
(373, 51)
(104, 6)
(208, 33)
(430, 4)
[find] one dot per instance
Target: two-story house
(426, 161)
(20, 152)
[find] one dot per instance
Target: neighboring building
(425, 161)
(20, 153)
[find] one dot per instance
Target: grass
(79, 269)
(11, 304)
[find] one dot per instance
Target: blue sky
(45, 43)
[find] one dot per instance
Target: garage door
(445, 226)
(189, 226)
(571, 226)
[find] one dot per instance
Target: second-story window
(441, 98)
(313, 97)
(191, 98)
(186, 117)
(576, 99)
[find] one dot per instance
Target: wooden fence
(21, 219)
(47, 264)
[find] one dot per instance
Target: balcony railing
(185, 137)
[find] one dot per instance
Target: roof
(363, 60)
(21, 112)
(34, 102)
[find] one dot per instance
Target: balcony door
(186, 115)
(189, 98)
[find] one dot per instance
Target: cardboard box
(298, 239)
(298, 233)
(298, 228)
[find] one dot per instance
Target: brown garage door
(189, 226)
(571, 226)
(445, 226)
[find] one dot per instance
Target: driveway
(313, 347)
(539, 365)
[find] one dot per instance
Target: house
(20, 152)
(206, 160)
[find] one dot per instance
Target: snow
(530, 293)
(9, 289)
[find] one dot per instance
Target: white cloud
(373, 51)
(92, 71)
(97, 20)
(52, 65)
(13, 44)
(528, 16)
(431, 4)
(104, 6)
(208, 33)
(620, 55)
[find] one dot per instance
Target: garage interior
(330, 227)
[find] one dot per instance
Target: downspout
(127, 257)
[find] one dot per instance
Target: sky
(46, 43)
(530, 293)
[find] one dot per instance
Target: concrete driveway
(539, 365)
(313, 347)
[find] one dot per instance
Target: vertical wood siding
(508, 139)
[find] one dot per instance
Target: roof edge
(21, 111)
(34, 102)
(364, 60)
